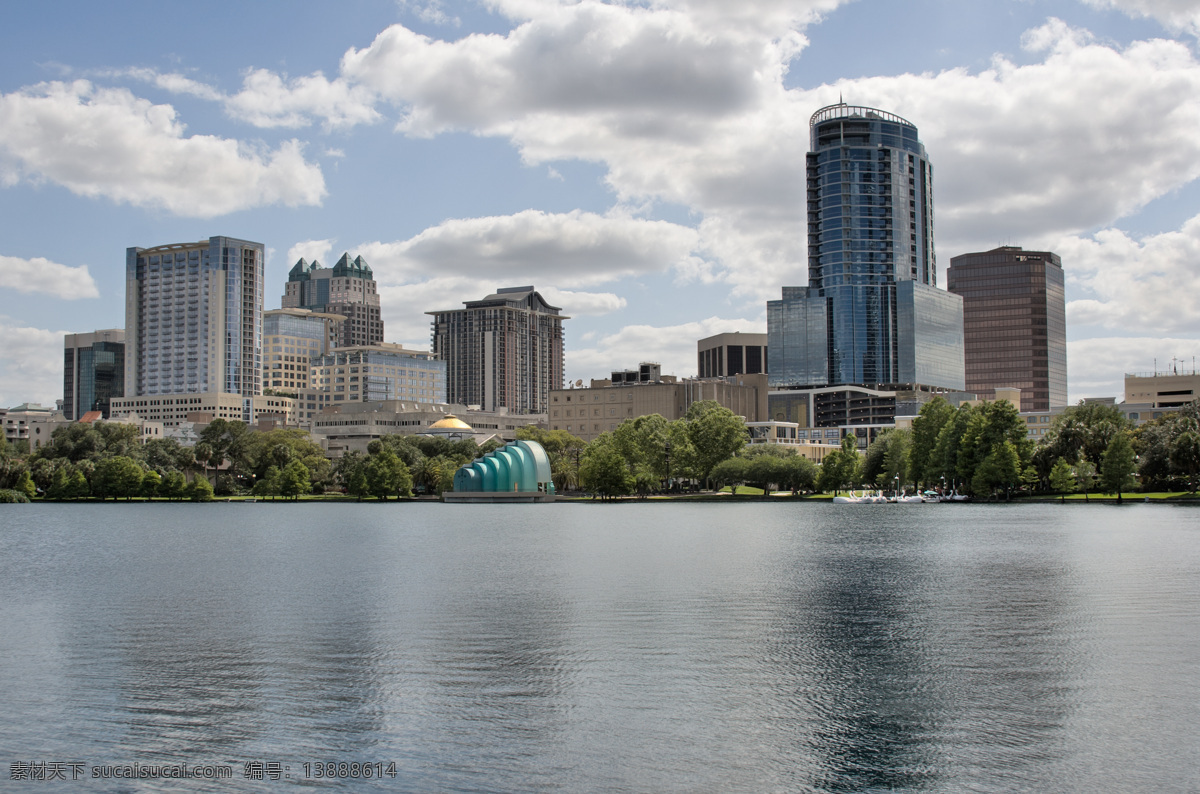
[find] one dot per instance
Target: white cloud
(583, 304)
(310, 250)
(267, 100)
(533, 247)
(30, 364)
(172, 82)
(674, 347)
(1081, 139)
(684, 111)
(648, 65)
(1136, 286)
(432, 12)
(1097, 367)
(109, 143)
(1179, 15)
(42, 275)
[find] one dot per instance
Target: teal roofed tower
(302, 270)
(353, 268)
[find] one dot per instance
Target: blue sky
(640, 162)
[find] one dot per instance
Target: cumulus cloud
(30, 364)
(42, 275)
(583, 304)
(310, 250)
(1097, 367)
(648, 65)
(270, 100)
(431, 11)
(1178, 15)
(682, 110)
(108, 143)
(1138, 286)
(1090, 134)
(569, 249)
(674, 347)
(557, 253)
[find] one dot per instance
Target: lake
(760, 646)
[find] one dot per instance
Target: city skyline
(641, 163)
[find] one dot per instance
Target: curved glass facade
(870, 227)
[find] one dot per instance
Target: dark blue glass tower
(872, 313)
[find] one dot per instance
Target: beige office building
(1170, 389)
(352, 426)
(173, 410)
(731, 354)
(588, 412)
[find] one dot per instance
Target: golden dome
(451, 422)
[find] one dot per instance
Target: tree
(1000, 469)
(200, 490)
(926, 428)
(715, 432)
(841, 468)
(1119, 464)
(895, 460)
(564, 451)
(1085, 477)
(991, 426)
(800, 474)
(25, 485)
(1185, 456)
(731, 472)
(282, 446)
(167, 454)
(118, 477)
(151, 480)
(766, 471)
(387, 475)
(604, 470)
(1062, 479)
(295, 480)
(268, 484)
(173, 485)
(61, 484)
(1085, 430)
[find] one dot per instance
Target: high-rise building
(731, 354)
(193, 318)
(93, 372)
(1014, 323)
(348, 289)
(872, 313)
(502, 352)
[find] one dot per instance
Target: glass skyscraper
(872, 313)
(193, 318)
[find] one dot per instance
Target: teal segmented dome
(521, 466)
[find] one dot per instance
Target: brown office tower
(502, 353)
(1014, 323)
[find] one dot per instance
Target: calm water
(652, 647)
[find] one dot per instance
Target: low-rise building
(1170, 389)
(18, 420)
(351, 426)
(599, 408)
(173, 410)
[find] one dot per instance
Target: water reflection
(702, 647)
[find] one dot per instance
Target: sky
(640, 162)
